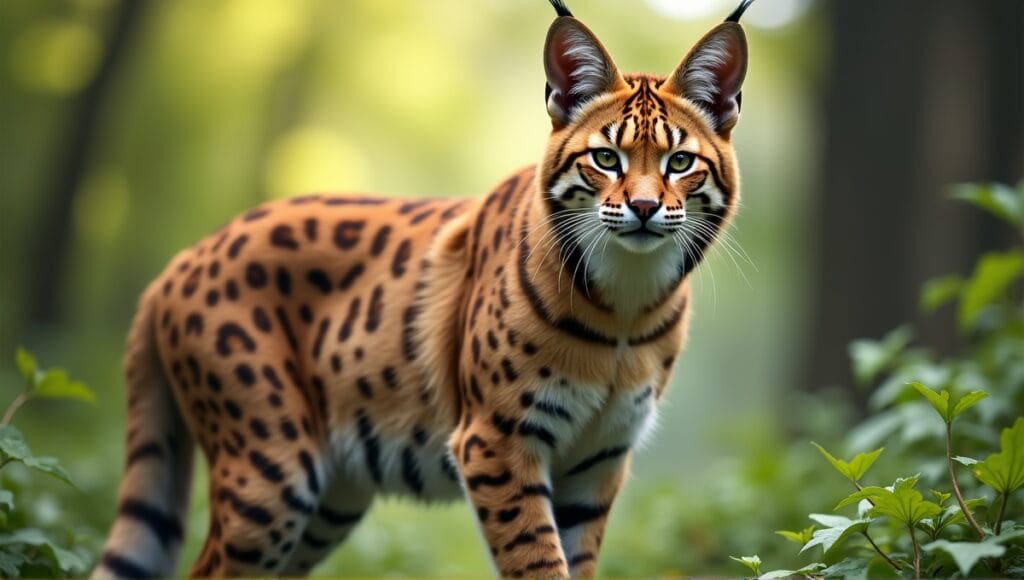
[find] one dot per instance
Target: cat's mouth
(642, 232)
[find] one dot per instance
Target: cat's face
(642, 162)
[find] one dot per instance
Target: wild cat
(511, 349)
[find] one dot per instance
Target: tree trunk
(55, 232)
(920, 95)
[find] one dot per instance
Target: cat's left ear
(711, 75)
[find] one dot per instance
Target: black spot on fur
(310, 226)
(245, 374)
(230, 336)
(380, 240)
(260, 319)
(288, 430)
(319, 278)
(365, 388)
(267, 468)
(248, 556)
(259, 429)
(350, 319)
(402, 255)
(194, 324)
(283, 280)
(347, 233)
(236, 246)
(283, 236)
(373, 311)
(307, 465)
(506, 425)
(350, 277)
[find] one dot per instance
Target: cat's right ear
(578, 69)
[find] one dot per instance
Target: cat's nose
(644, 208)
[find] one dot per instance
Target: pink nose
(644, 208)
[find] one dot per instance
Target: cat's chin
(642, 242)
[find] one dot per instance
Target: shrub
(25, 548)
(953, 425)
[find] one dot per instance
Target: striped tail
(152, 501)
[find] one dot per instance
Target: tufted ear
(711, 75)
(578, 69)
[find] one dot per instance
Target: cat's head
(643, 162)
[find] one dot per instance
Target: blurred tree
(921, 95)
(54, 232)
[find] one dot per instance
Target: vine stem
(15, 405)
(956, 487)
(917, 552)
(894, 565)
(884, 556)
(1002, 512)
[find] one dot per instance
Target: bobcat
(510, 349)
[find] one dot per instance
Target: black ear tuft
(711, 76)
(578, 69)
(560, 8)
(738, 13)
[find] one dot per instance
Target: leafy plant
(26, 550)
(966, 524)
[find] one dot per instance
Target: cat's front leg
(507, 480)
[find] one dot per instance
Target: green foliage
(973, 525)
(835, 531)
(856, 468)
(51, 383)
(1004, 471)
(13, 448)
(801, 537)
(25, 549)
(967, 554)
(753, 563)
(901, 502)
(998, 199)
(942, 404)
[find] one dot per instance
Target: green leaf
(967, 401)
(50, 466)
(807, 570)
(6, 499)
(966, 461)
(12, 443)
(56, 384)
(943, 403)
(66, 560)
(997, 199)
(967, 554)
(861, 462)
(992, 277)
(940, 291)
(938, 401)
(1004, 471)
(903, 502)
(14, 447)
(872, 357)
(11, 563)
(801, 537)
(940, 497)
(856, 468)
(952, 514)
(836, 531)
(752, 562)
(27, 365)
(849, 567)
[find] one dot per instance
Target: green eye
(605, 158)
(680, 162)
